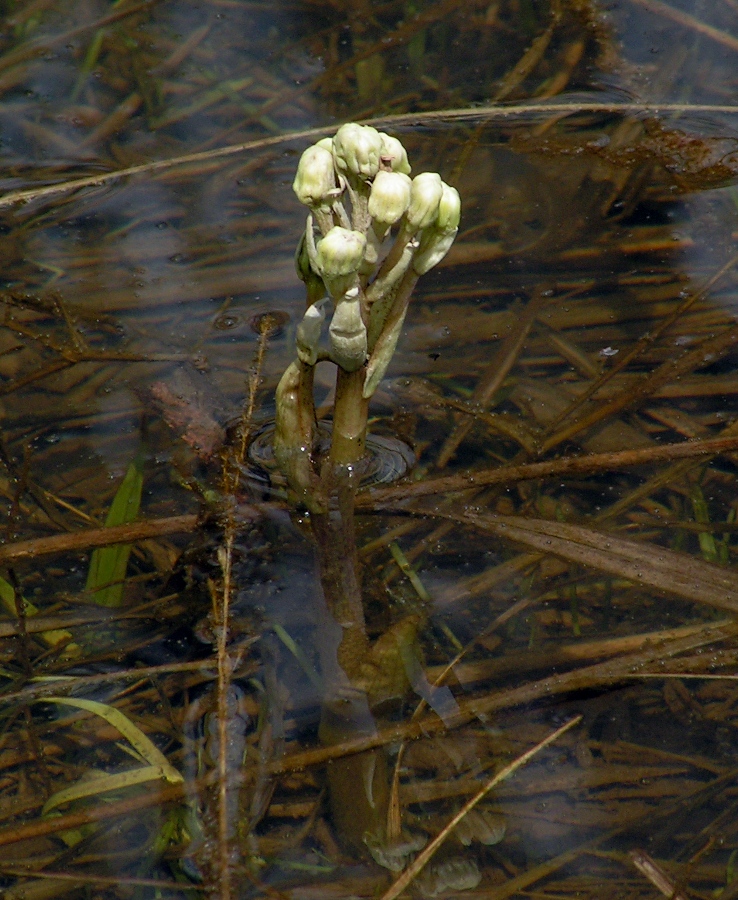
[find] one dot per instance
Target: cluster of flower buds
(358, 187)
(372, 231)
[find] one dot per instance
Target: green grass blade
(103, 783)
(108, 564)
(143, 745)
(702, 516)
(51, 638)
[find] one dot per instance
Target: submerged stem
(335, 543)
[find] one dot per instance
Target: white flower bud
(357, 149)
(425, 196)
(338, 258)
(326, 144)
(394, 154)
(436, 239)
(340, 252)
(389, 197)
(315, 180)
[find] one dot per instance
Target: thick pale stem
(404, 235)
(324, 219)
(359, 193)
(349, 419)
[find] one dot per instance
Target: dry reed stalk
(572, 465)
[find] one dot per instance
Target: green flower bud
(389, 197)
(449, 209)
(393, 154)
(338, 257)
(357, 149)
(340, 252)
(326, 144)
(436, 240)
(315, 181)
(425, 197)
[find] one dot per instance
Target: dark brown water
(147, 223)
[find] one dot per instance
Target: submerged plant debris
(550, 592)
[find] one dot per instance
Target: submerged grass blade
(143, 745)
(108, 564)
(702, 517)
(51, 638)
(410, 573)
(104, 783)
(307, 667)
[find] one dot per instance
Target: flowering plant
(358, 188)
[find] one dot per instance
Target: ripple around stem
(387, 459)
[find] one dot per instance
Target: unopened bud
(449, 209)
(389, 197)
(425, 196)
(315, 180)
(338, 258)
(357, 150)
(340, 252)
(436, 239)
(394, 155)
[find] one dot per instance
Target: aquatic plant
(347, 260)
(372, 231)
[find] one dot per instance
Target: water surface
(595, 151)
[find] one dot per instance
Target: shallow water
(598, 233)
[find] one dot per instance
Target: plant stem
(349, 419)
(357, 785)
(338, 560)
(358, 792)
